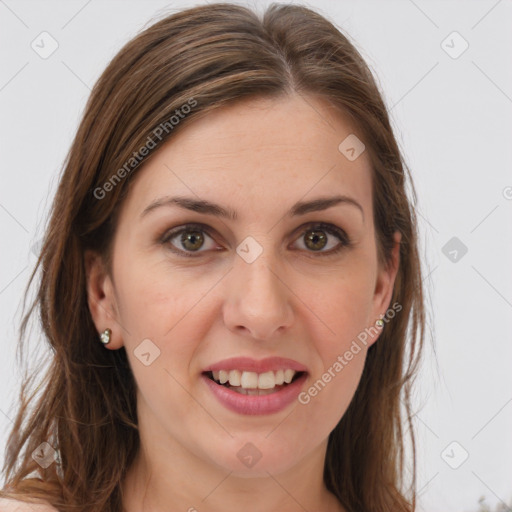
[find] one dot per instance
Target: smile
(252, 383)
(248, 386)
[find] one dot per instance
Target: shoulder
(12, 505)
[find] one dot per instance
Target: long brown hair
(207, 56)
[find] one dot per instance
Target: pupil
(314, 238)
(191, 237)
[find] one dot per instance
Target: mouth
(248, 386)
(253, 383)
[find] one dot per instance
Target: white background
(453, 120)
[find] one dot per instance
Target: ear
(101, 298)
(385, 284)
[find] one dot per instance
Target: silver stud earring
(105, 336)
(379, 323)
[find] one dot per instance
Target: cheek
(162, 317)
(154, 299)
(329, 392)
(343, 306)
(162, 314)
(344, 309)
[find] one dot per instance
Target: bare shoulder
(11, 505)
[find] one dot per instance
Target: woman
(231, 284)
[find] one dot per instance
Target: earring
(379, 323)
(105, 336)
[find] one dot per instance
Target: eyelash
(314, 226)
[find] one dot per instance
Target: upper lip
(256, 365)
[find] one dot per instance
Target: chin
(250, 456)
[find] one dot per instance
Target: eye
(189, 239)
(317, 237)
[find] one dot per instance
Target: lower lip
(254, 404)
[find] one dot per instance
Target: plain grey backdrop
(445, 71)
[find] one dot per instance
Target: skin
(257, 157)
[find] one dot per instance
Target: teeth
(288, 376)
(257, 392)
(234, 377)
(267, 380)
(254, 381)
(223, 376)
(249, 380)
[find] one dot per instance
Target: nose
(257, 300)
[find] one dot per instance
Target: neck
(166, 476)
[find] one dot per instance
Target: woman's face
(220, 265)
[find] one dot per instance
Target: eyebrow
(209, 208)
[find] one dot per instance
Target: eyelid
(332, 229)
(190, 226)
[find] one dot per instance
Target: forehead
(257, 156)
